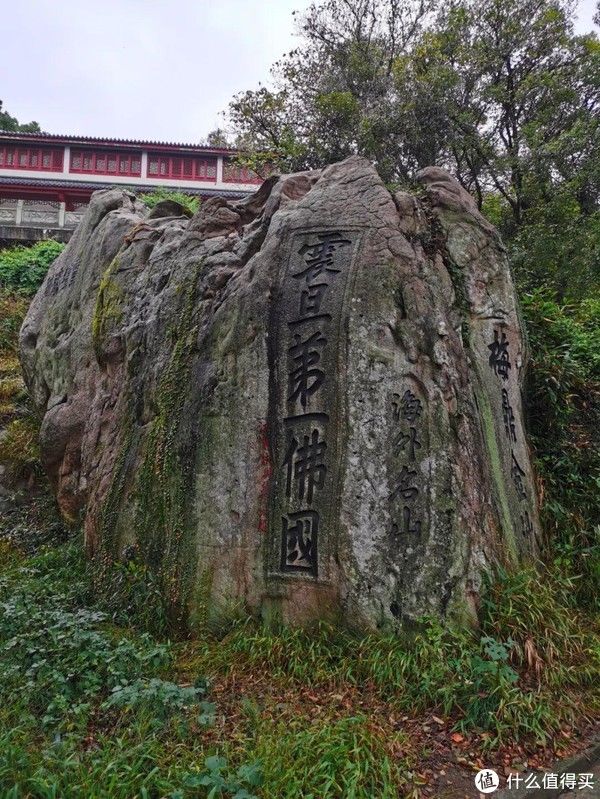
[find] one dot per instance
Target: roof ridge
(108, 140)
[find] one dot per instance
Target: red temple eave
(99, 141)
(66, 194)
(71, 191)
(47, 179)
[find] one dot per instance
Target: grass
(87, 700)
(350, 757)
(481, 682)
(19, 447)
(18, 443)
(553, 641)
(13, 308)
(12, 389)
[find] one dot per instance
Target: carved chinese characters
(500, 361)
(406, 481)
(308, 317)
(61, 281)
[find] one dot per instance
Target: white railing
(39, 213)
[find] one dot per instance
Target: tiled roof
(137, 187)
(70, 139)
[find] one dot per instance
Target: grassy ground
(92, 706)
(95, 701)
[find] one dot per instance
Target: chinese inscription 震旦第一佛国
(308, 313)
(499, 361)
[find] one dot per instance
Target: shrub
(57, 655)
(22, 269)
(563, 417)
(189, 201)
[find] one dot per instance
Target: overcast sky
(145, 69)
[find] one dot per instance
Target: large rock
(306, 403)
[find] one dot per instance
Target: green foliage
(465, 676)
(132, 595)
(56, 654)
(218, 138)
(90, 709)
(83, 711)
(475, 86)
(558, 247)
(563, 395)
(22, 269)
(159, 699)
(189, 201)
(550, 639)
(12, 124)
(219, 781)
(19, 448)
(504, 94)
(12, 311)
(310, 657)
(132, 763)
(473, 678)
(327, 759)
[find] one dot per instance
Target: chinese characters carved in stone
(406, 414)
(308, 314)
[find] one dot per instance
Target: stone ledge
(21, 233)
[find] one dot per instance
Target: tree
(474, 87)
(9, 123)
(523, 110)
(218, 138)
(335, 95)
(500, 92)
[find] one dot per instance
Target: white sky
(146, 69)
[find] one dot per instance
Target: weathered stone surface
(303, 404)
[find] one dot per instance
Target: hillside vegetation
(97, 700)
(97, 696)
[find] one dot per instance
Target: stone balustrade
(39, 213)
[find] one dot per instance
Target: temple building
(46, 179)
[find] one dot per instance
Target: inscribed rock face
(303, 404)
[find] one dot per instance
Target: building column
(19, 214)
(144, 167)
(219, 170)
(66, 160)
(61, 213)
